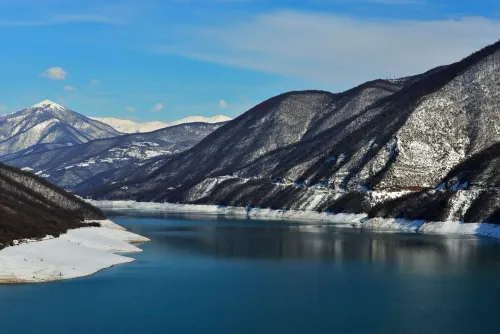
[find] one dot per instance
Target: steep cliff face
(424, 145)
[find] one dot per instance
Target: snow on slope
(128, 126)
(48, 123)
(47, 104)
(78, 253)
(201, 119)
(47, 234)
(69, 166)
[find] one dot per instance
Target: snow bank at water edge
(108, 224)
(354, 220)
(228, 210)
(426, 227)
(79, 252)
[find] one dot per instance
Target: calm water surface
(206, 274)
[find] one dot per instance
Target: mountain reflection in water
(277, 240)
(219, 274)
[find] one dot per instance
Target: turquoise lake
(215, 274)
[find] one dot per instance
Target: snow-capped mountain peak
(201, 119)
(49, 124)
(128, 126)
(47, 104)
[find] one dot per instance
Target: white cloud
(222, 104)
(129, 108)
(97, 12)
(95, 83)
(70, 88)
(55, 73)
(336, 49)
(60, 19)
(157, 107)
(3, 107)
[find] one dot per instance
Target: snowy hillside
(69, 166)
(423, 147)
(48, 123)
(127, 126)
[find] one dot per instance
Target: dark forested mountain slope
(48, 123)
(276, 123)
(69, 166)
(432, 136)
(30, 207)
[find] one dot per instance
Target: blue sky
(168, 59)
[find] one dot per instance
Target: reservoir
(219, 274)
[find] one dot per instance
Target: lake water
(208, 274)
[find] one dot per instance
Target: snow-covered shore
(79, 252)
(354, 220)
(228, 210)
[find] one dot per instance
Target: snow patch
(128, 126)
(79, 252)
(47, 104)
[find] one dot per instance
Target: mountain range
(128, 126)
(425, 146)
(68, 148)
(70, 166)
(420, 147)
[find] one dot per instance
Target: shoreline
(354, 220)
(77, 253)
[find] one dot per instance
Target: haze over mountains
(128, 126)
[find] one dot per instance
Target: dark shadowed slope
(30, 207)
(279, 122)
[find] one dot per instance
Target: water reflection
(272, 240)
